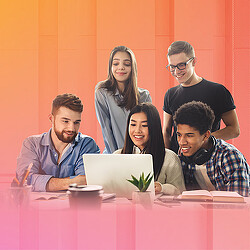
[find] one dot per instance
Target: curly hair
(195, 114)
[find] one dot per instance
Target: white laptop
(112, 171)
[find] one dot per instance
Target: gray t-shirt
(112, 118)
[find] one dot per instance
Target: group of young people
(190, 151)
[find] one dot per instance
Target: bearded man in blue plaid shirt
(207, 162)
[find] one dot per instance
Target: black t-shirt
(213, 94)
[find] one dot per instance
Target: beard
(65, 139)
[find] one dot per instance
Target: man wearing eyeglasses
(182, 60)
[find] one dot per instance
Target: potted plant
(142, 196)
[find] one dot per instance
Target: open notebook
(215, 196)
(112, 171)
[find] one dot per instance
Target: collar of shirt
(65, 149)
(117, 93)
(137, 150)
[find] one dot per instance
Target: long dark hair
(155, 145)
(130, 93)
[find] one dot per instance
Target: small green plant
(143, 183)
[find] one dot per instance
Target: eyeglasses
(180, 66)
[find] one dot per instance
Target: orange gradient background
(48, 47)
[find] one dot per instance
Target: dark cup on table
(85, 196)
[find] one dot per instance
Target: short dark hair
(178, 47)
(195, 114)
(69, 101)
(155, 145)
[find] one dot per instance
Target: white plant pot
(146, 199)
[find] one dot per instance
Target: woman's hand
(158, 187)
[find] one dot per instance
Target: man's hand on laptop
(158, 187)
(57, 184)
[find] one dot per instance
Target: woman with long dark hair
(116, 96)
(144, 135)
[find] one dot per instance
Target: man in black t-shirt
(182, 60)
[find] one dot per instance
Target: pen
(15, 182)
(26, 173)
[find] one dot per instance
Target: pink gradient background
(48, 47)
(189, 226)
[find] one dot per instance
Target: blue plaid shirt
(227, 169)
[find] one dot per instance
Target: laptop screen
(113, 170)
